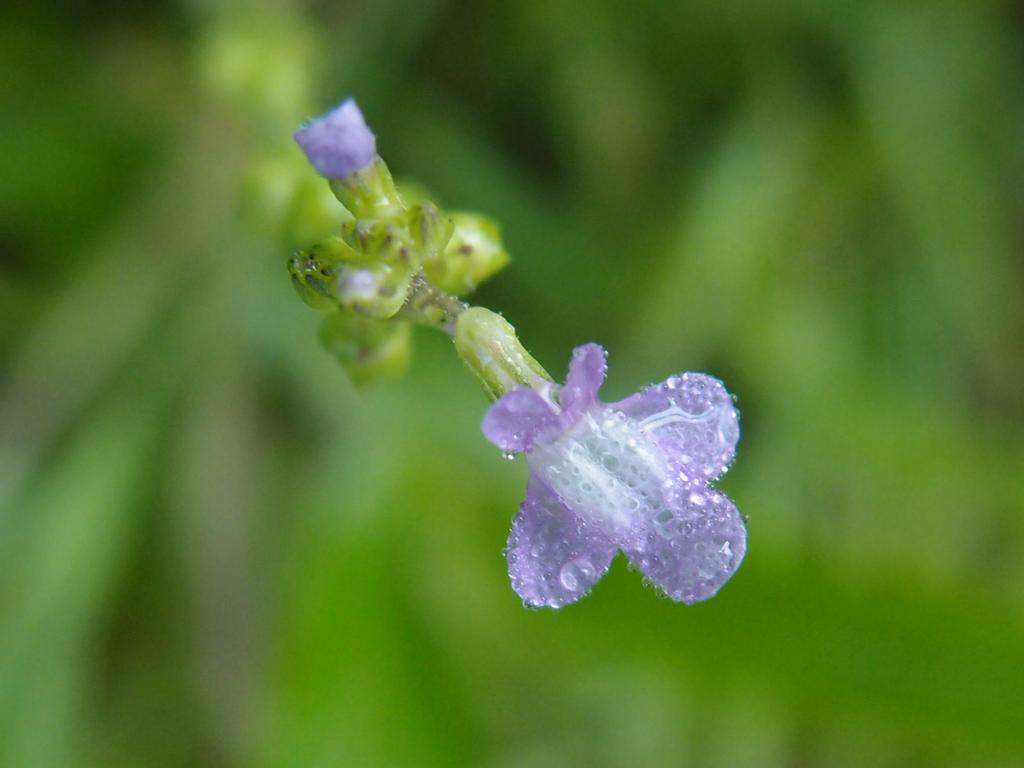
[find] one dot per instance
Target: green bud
(488, 345)
(312, 283)
(370, 192)
(367, 349)
(333, 251)
(313, 275)
(382, 241)
(474, 253)
(430, 229)
(375, 290)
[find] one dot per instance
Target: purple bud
(338, 143)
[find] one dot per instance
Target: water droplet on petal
(577, 573)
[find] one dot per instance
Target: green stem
(430, 306)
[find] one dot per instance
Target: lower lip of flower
(606, 468)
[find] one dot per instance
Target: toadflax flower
(631, 475)
(338, 143)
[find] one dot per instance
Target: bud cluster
(392, 262)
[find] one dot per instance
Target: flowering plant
(632, 475)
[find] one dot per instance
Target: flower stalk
(431, 307)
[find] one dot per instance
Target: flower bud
(473, 254)
(430, 229)
(338, 143)
(381, 241)
(374, 290)
(314, 272)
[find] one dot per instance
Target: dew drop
(577, 573)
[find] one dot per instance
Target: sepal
(369, 192)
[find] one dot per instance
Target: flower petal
(586, 375)
(691, 549)
(338, 143)
(554, 556)
(694, 420)
(517, 419)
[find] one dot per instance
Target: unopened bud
(473, 254)
(488, 345)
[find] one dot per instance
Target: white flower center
(607, 468)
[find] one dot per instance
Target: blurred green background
(215, 551)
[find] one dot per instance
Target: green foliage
(217, 552)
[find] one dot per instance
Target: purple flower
(631, 475)
(338, 143)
